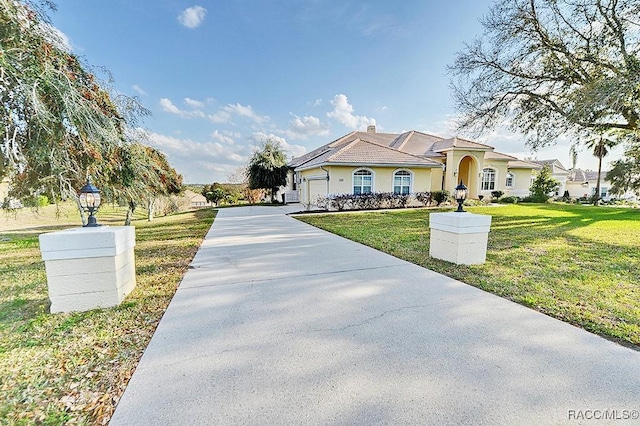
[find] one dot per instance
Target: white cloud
(302, 127)
(139, 90)
(317, 102)
(343, 113)
(200, 162)
(245, 111)
(192, 17)
(171, 108)
(220, 117)
(193, 103)
(168, 106)
(225, 137)
(291, 150)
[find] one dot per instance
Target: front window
(362, 182)
(510, 179)
(402, 182)
(488, 179)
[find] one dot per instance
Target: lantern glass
(460, 194)
(90, 200)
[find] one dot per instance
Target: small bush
(512, 199)
(496, 194)
(440, 196)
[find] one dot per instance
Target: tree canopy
(625, 173)
(60, 123)
(552, 67)
(267, 168)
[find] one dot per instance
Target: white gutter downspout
(327, 172)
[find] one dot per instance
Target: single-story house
(405, 163)
(582, 184)
(196, 200)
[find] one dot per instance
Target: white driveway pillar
(460, 238)
(88, 268)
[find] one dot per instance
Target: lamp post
(90, 201)
(460, 195)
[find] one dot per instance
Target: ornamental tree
(267, 168)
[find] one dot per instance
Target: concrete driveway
(279, 323)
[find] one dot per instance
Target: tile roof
(555, 164)
(410, 148)
(579, 175)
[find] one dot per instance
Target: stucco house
(409, 162)
(582, 184)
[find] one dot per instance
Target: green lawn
(72, 368)
(580, 264)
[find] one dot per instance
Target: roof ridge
(344, 148)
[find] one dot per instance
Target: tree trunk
(596, 198)
(130, 209)
(150, 208)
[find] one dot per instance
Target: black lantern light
(460, 195)
(90, 201)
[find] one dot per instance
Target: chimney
(371, 128)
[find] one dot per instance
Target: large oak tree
(552, 67)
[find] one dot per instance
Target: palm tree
(600, 146)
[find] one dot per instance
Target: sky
(222, 76)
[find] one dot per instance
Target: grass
(72, 368)
(579, 264)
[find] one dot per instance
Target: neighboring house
(582, 184)
(411, 162)
(558, 172)
(196, 201)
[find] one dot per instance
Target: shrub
(371, 201)
(440, 196)
(496, 194)
(512, 199)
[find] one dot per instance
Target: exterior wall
(314, 181)
(501, 168)
(341, 181)
(587, 189)
(521, 183)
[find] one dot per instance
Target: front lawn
(580, 264)
(72, 368)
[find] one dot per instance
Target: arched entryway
(468, 174)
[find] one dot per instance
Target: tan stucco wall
(522, 183)
(314, 181)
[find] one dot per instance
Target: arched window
(510, 180)
(402, 182)
(488, 179)
(362, 181)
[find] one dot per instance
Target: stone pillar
(89, 268)
(460, 238)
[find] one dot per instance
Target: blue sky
(221, 76)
